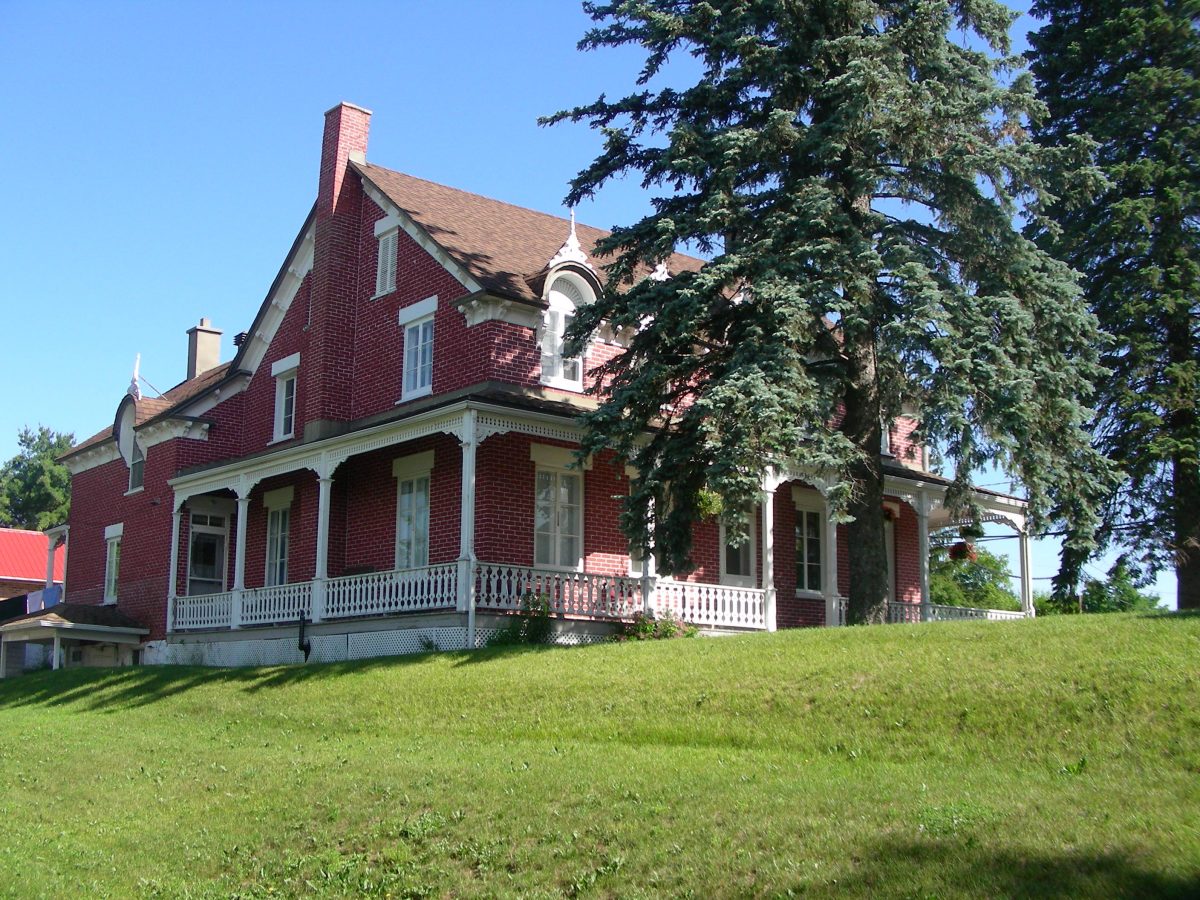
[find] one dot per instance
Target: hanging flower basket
(971, 532)
(963, 550)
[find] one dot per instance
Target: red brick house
(389, 456)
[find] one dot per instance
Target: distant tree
(1117, 593)
(982, 583)
(853, 169)
(1128, 75)
(34, 487)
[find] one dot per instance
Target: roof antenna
(134, 391)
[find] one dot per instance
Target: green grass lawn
(1059, 757)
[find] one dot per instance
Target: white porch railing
(718, 605)
(382, 593)
(504, 587)
(202, 611)
(278, 603)
(911, 612)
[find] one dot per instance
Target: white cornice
(480, 308)
(277, 305)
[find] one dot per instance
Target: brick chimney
(327, 394)
(204, 348)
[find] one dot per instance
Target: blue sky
(159, 158)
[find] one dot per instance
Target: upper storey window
(284, 371)
(387, 232)
(558, 370)
(417, 322)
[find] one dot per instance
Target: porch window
(559, 370)
(809, 551)
(207, 547)
(412, 474)
(112, 561)
(278, 522)
(737, 560)
(558, 520)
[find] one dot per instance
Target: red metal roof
(23, 556)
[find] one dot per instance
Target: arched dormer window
(567, 293)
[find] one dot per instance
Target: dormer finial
(571, 250)
(134, 391)
(660, 273)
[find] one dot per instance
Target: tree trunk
(867, 544)
(1187, 534)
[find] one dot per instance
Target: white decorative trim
(413, 466)
(277, 306)
(418, 310)
(570, 251)
(287, 364)
(279, 498)
(557, 457)
(418, 234)
(486, 308)
(386, 224)
(114, 531)
(96, 455)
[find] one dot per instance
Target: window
(207, 547)
(558, 370)
(284, 371)
(137, 468)
(412, 509)
(279, 515)
(417, 322)
(385, 271)
(809, 549)
(558, 508)
(737, 561)
(112, 561)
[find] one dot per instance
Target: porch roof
(74, 620)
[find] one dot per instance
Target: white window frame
(750, 580)
(804, 506)
(278, 504)
(215, 508)
(550, 335)
(413, 470)
(637, 565)
(137, 464)
(417, 320)
(284, 372)
(559, 462)
(112, 561)
(387, 233)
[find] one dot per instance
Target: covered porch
(75, 634)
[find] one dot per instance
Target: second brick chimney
(204, 348)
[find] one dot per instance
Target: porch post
(51, 545)
(3, 657)
(173, 584)
(1026, 582)
(54, 663)
(325, 480)
(466, 529)
(832, 591)
(768, 552)
(923, 552)
(239, 562)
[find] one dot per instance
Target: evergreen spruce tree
(1128, 75)
(853, 171)
(35, 489)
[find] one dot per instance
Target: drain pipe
(302, 643)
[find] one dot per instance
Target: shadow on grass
(936, 868)
(116, 689)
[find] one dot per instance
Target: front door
(206, 554)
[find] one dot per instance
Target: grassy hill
(1050, 758)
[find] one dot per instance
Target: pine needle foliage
(853, 170)
(1128, 75)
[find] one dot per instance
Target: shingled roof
(149, 408)
(504, 247)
